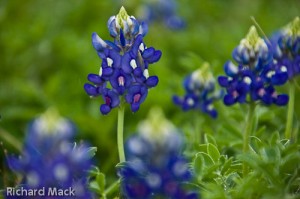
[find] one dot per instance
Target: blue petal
(229, 100)
(98, 43)
(138, 72)
(126, 63)
(143, 29)
(112, 27)
(282, 100)
(107, 71)
(152, 81)
(96, 79)
(156, 56)
(148, 52)
(279, 78)
(115, 100)
(105, 109)
(135, 107)
(177, 100)
(90, 89)
(223, 81)
(230, 69)
(122, 38)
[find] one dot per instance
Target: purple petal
(223, 81)
(96, 79)
(282, 100)
(229, 100)
(90, 89)
(98, 43)
(148, 52)
(105, 109)
(152, 81)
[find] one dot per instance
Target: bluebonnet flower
(124, 71)
(155, 167)
(254, 75)
(50, 160)
(200, 92)
(163, 10)
(286, 48)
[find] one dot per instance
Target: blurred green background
(46, 54)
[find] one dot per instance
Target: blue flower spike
(200, 92)
(50, 158)
(155, 167)
(254, 76)
(124, 72)
(286, 48)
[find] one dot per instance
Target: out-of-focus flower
(254, 75)
(200, 92)
(286, 48)
(162, 10)
(125, 64)
(155, 167)
(49, 159)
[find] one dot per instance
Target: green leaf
(226, 166)
(213, 152)
(101, 181)
(210, 139)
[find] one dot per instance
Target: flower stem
(120, 133)
(247, 134)
(289, 123)
(112, 188)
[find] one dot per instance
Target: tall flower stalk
(286, 47)
(124, 72)
(253, 80)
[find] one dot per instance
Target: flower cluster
(163, 10)
(155, 168)
(125, 64)
(200, 92)
(50, 160)
(286, 48)
(255, 74)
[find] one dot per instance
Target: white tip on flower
(133, 64)
(100, 71)
(146, 73)
(142, 47)
(270, 73)
(109, 61)
(233, 68)
(247, 80)
(190, 102)
(61, 172)
(283, 69)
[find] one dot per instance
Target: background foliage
(46, 54)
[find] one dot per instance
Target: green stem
(289, 123)
(112, 188)
(120, 133)
(10, 139)
(247, 134)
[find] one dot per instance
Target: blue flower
(50, 160)
(255, 75)
(200, 92)
(286, 48)
(163, 10)
(124, 72)
(155, 167)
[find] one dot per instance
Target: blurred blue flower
(50, 160)
(125, 63)
(162, 10)
(155, 166)
(200, 92)
(255, 74)
(286, 48)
